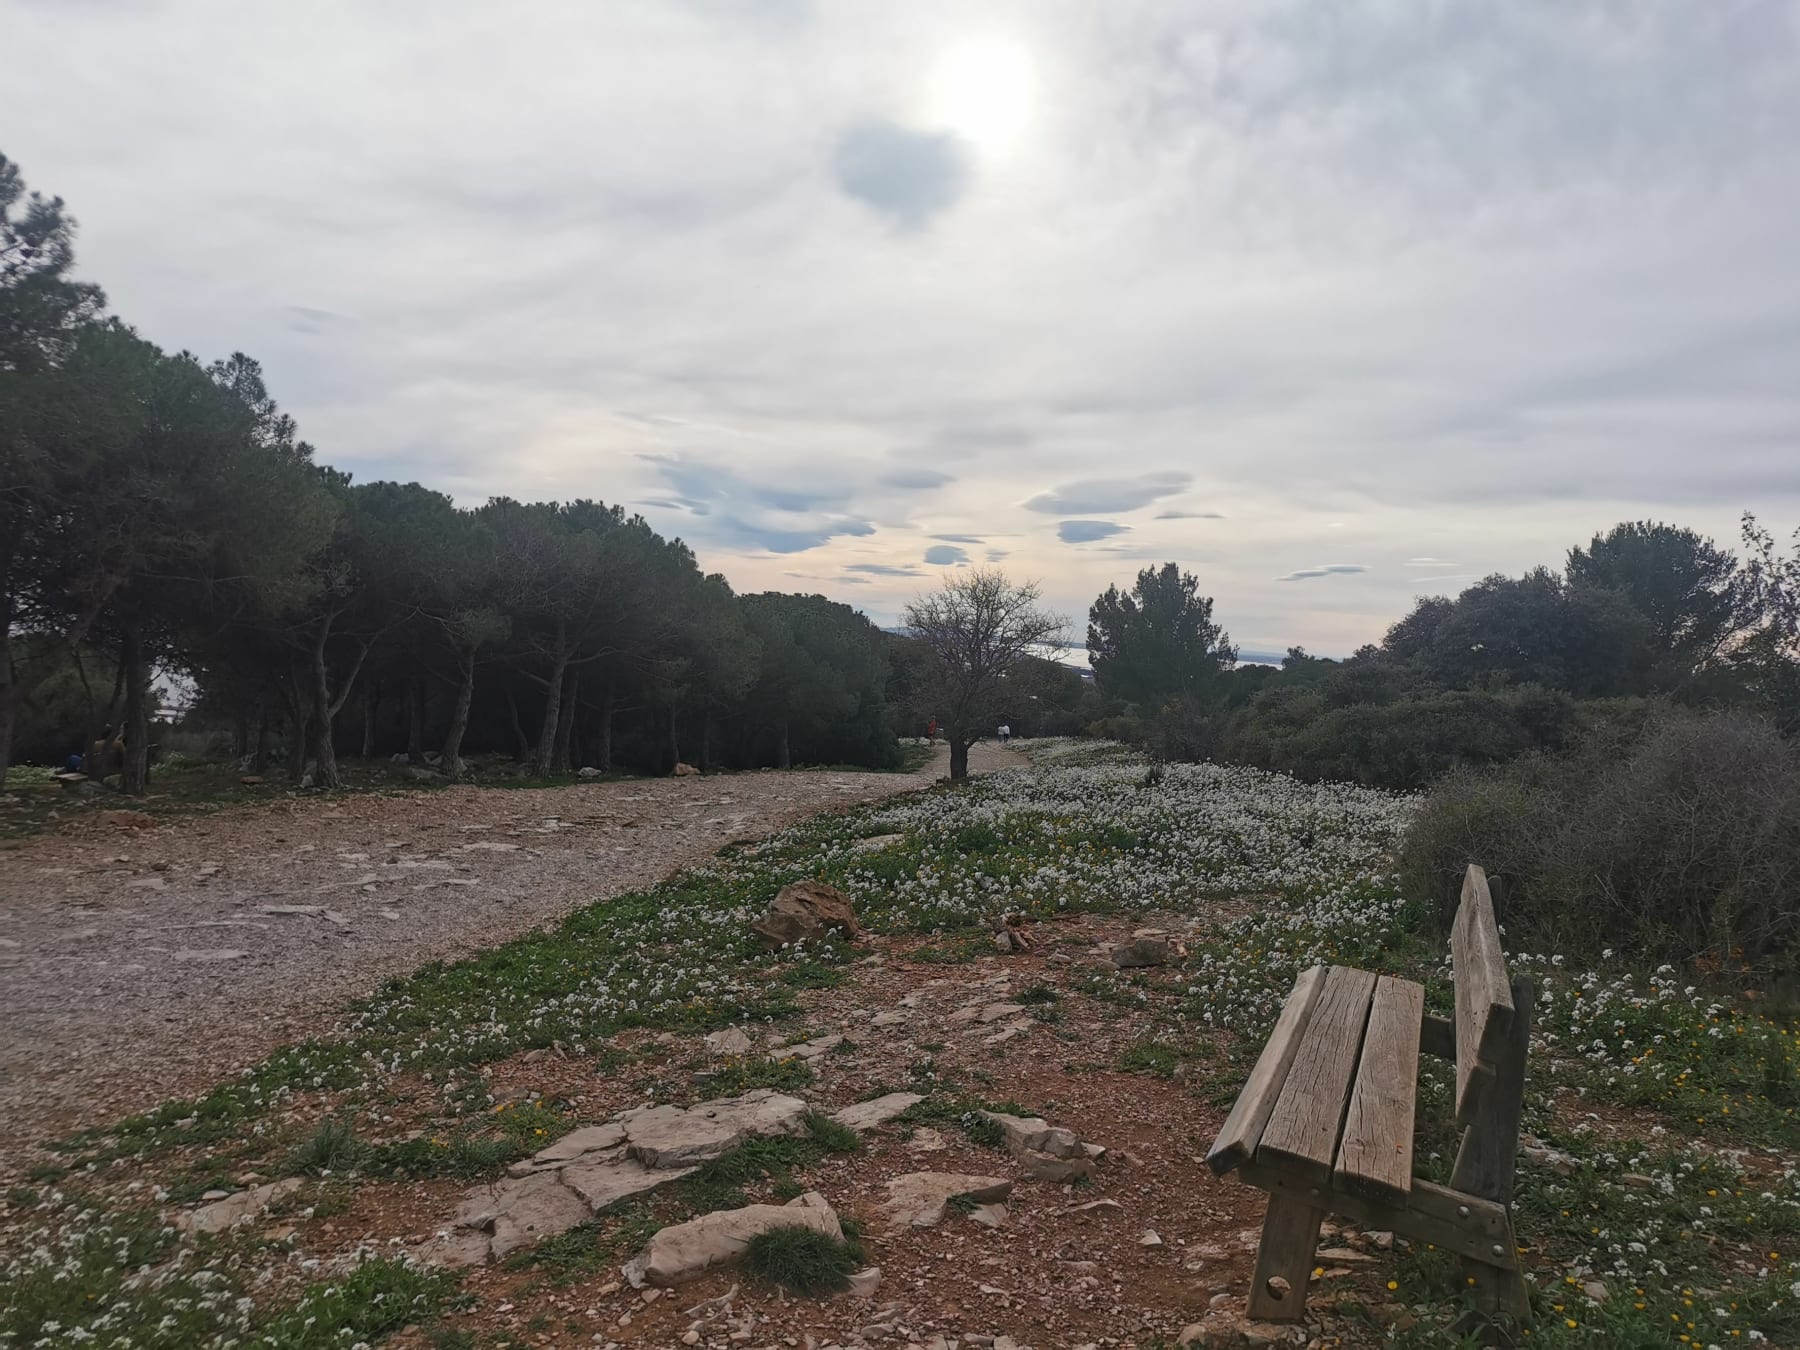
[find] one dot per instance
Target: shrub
(1678, 841)
(801, 1260)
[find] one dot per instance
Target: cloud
(884, 569)
(1325, 570)
(959, 538)
(1429, 562)
(908, 176)
(1108, 494)
(945, 555)
(1088, 531)
(1189, 515)
(768, 514)
(915, 479)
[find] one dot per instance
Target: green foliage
(332, 1147)
(801, 1260)
(1679, 843)
(378, 1297)
(1150, 1057)
(788, 1073)
(1158, 641)
(829, 1135)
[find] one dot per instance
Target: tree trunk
(674, 741)
(324, 752)
(299, 738)
(603, 761)
(565, 724)
(783, 758)
(240, 732)
(459, 716)
(706, 730)
(521, 742)
(259, 756)
(546, 746)
(371, 704)
(959, 758)
(9, 691)
(135, 775)
(415, 721)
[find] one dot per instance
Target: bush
(1678, 841)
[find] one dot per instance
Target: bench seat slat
(1375, 1158)
(1302, 1133)
(1484, 1005)
(1243, 1128)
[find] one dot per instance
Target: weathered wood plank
(1434, 1214)
(1243, 1128)
(1490, 1145)
(1302, 1132)
(1483, 998)
(1376, 1154)
(1284, 1259)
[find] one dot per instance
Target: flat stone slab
(1036, 1135)
(521, 1212)
(604, 1182)
(590, 1139)
(668, 1136)
(685, 1251)
(730, 1041)
(867, 1115)
(222, 1215)
(811, 1050)
(921, 1199)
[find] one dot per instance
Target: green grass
(802, 1260)
(735, 1076)
(1150, 1057)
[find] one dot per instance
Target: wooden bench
(1325, 1122)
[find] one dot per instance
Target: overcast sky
(1335, 305)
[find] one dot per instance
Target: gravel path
(138, 964)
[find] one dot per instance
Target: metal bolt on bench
(1325, 1122)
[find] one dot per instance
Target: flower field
(1659, 1201)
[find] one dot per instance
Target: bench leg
(1284, 1260)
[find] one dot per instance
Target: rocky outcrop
(228, 1213)
(668, 1136)
(806, 911)
(598, 1165)
(1046, 1152)
(685, 1251)
(921, 1199)
(861, 1116)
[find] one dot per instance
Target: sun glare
(983, 91)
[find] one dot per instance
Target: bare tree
(978, 626)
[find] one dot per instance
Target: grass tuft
(801, 1260)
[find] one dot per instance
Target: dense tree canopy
(162, 527)
(1157, 641)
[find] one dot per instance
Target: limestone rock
(225, 1214)
(730, 1041)
(1140, 952)
(587, 771)
(867, 1115)
(668, 1136)
(920, 1199)
(684, 1251)
(805, 911)
(686, 771)
(606, 1181)
(576, 1144)
(994, 1012)
(864, 1283)
(521, 1211)
(811, 1050)
(1223, 1329)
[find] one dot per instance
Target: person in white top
(1005, 733)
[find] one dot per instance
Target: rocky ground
(142, 958)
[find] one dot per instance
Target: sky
(1335, 305)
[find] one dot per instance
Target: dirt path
(137, 964)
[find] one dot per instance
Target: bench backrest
(1484, 1001)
